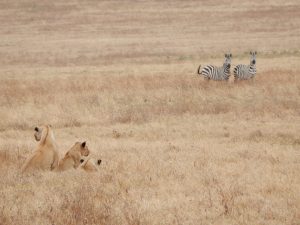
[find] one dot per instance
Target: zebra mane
(226, 65)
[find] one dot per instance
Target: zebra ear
(230, 55)
(250, 52)
(225, 55)
(255, 52)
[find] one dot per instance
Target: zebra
(245, 72)
(211, 72)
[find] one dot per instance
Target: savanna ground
(174, 149)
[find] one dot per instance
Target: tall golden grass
(175, 150)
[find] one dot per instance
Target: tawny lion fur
(45, 156)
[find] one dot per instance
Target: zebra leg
(235, 78)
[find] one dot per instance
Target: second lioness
(72, 158)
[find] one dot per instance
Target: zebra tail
(199, 70)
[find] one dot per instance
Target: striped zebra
(245, 72)
(211, 72)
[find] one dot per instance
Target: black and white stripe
(211, 72)
(245, 72)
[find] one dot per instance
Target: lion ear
(83, 144)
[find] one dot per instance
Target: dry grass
(174, 149)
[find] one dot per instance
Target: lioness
(73, 156)
(45, 157)
(89, 164)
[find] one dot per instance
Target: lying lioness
(89, 164)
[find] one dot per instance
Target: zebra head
(252, 58)
(227, 61)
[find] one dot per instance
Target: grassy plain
(174, 149)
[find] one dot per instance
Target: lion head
(78, 150)
(44, 134)
(38, 133)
